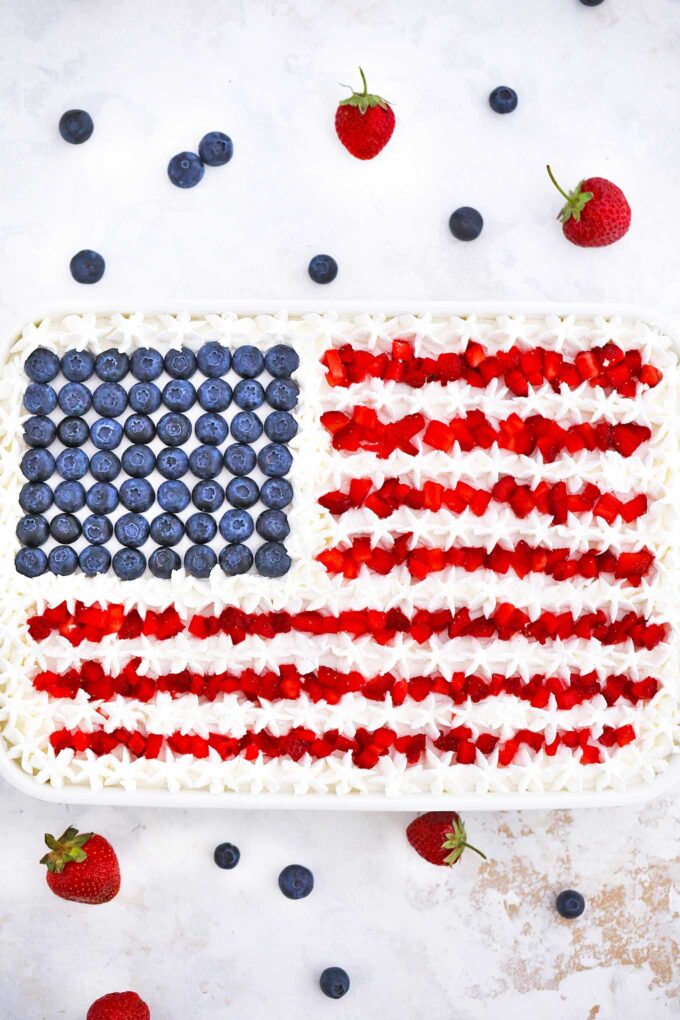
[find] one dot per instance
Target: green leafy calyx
(64, 850)
(455, 840)
(576, 200)
(364, 100)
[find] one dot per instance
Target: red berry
(595, 214)
(119, 1006)
(364, 123)
(439, 837)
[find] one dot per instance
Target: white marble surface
(599, 94)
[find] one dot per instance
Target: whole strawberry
(364, 123)
(596, 213)
(82, 867)
(119, 1006)
(439, 837)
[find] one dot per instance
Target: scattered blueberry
(211, 429)
(201, 528)
(162, 562)
(281, 361)
(76, 126)
(185, 169)
(323, 269)
(179, 395)
(132, 530)
(94, 559)
(33, 530)
(280, 427)
(106, 434)
(282, 394)
(75, 399)
(272, 560)
(42, 365)
(37, 465)
(39, 431)
(35, 497)
(112, 365)
(249, 394)
(236, 559)
(214, 395)
(296, 881)
(239, 459)
(87, 266)
(109, 399)
(69, 496)
(137, 494)
(503, 99)
(207, 495)
(247, 361)
(213, 360)
(167, 529)
(591, 3)
(199, 560)
(173, 496)
(273, 526)
(77, 366)
(174, 429)
(466, 223)
(334, 982)
(236, 526)
(570, 904)
(227, 856)
(180, 364)
(97, 529)
(30, 562)
(274, 460)
(146, 364)
(242, 493)
(139, 428)
(72, 464)
(73, 431)
(144, 397)
(172, 463)
(105, 466)
(62, 560)
(129, 564)
(276, 493)
(138, 461)
(65, 528)
(215, 148)
(40, 398)
(102, 498)
(205, 461)
(246, 427)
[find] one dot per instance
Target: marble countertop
(599, 94)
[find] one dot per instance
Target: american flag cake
(338, 555)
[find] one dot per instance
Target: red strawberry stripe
(607, 367)
(365, 430)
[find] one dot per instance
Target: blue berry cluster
(140, 449)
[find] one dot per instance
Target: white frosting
(28, 717)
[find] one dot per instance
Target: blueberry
(246, 427)
(201, 528)
(110, 399)
(144, 397)
(33, 530)
(211, 429)
(102, 498)
(75, 399)
(72, 464)
(323, 269)
(87, 266)
(242, 493)
(174, 429)
(282, 394)
(69, 496)
(570, 904)
(180, 364)
(30, 562)
(139, 428)
(73, 431)
(166, 529)
(274, 460)
(591, 3)
(112, 365)
(273, 526)
(35, 497)
(466, 223)
(65, 528)
(77, 366)
(185, 170)
(296, 881)
(503, 99)
(129, 564)
(205, 462)
(227, 856)
(39, 398)
(276, 493)
(76, 126)
(146, 364)
(281, 361)
(272, 560)
(236, 559)
(236, 526)
(97, 530)
(207, 495)
(62, 560)
(138, 461)
(172, 463)
(213, 360)
(334, 982)
(249, 394)
(179, 395)
(162, 562)
(173, 496)
(94, 559)
(39, 432)
(214, 395)
(106, 434)
(132, 530)
(137, 494)
(38, 465)
(199, 560)
(104, 466)
(215, 148)
(239, 459)
(247, 361)
(280, 427)
(42, 365)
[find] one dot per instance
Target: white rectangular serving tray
(23, 782)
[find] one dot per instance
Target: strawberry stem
(363, 78)
(561, 190)
(471, 847)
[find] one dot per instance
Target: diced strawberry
(516, 381)
(439, 436)
(337, 502)
(402, 350)
(650, 376)
(334, 421)
(474, 354)
(336, 372)
(634, 508)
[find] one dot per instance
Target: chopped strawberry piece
(650, 376)
(439, 436)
